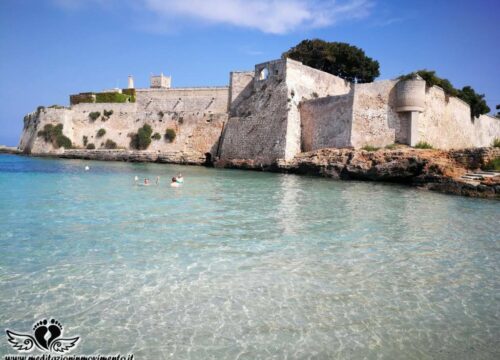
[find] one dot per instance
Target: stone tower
(160, 81)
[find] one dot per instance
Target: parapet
(410, 95)
(160, 81)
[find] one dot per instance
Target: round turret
(410, 95)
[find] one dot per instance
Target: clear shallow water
(246, 265)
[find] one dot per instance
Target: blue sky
(52, 48)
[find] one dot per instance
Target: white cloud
(269, 16)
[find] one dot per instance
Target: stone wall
(446, 123)
(327, 122)
(375, 120)
(196, 115)
(257, 128)
(265, 124)
(306, 83)
(240, 88)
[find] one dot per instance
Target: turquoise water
(245, 265)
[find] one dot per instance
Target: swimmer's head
(174, 179)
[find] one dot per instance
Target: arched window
(264, 74)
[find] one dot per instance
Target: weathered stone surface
(172, 157)
(431, 169)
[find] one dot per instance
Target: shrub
(181, 120)
(94, 115)
(63, 141)
(56, 107)
(111, 97)
(156, 136)
(54, 135)
(85, 140)
(142, 139)
(476, 101)
(496, 142)
(101, 132)
(91, 146)
(170, 134)
(108, 113)
(370, 148)
(110, 144)
(493, 164)
(315, 95)
(161, 114)
(423, 145)
(391, 146)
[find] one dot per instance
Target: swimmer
(136, 179)
(174, 183)
(179, 178)
(87, 168)
(146, 181)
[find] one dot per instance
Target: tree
(340, 59)
(476, 101)
(498, 112)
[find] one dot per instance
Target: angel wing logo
(46, 337)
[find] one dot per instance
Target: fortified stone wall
(375, 121)
(446, 123)
(265, 125)
(306, 83)
(196, 115)
(327, 122)
(257, 129)
(240, 88)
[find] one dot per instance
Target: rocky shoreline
(435, 170)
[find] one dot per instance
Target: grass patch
(423, 145)
(496, 142)
(493, 164)
(370, 148)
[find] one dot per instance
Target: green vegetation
(142, 139)
(108, 113)
(161, 114)
(156, 136)
(391, 146)
(496, 142)
(90, 146)
(110, 144)
(111, 97)
(370, 148)
(56, 107)
(476, 101)
(315, 95)
(423, 145)
(94, 115)
(85, 140)
(101, 132)
(54, 135)
(340, 59)
(493, 164)
(170, 134)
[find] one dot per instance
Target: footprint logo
(46, 337)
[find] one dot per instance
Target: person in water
(174, 182)
(146, 181)
(179, 178)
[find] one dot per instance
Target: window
(264, 74)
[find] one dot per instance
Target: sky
(52, 48)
